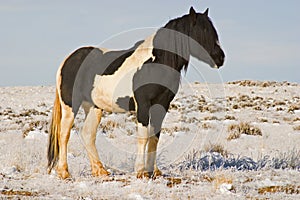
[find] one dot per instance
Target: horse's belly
(108, 90)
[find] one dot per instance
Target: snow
(195, 125)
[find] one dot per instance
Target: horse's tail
(54, 132)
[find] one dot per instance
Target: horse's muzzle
(219, 58)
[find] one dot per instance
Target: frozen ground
(234, 141)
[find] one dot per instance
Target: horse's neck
(172, 47)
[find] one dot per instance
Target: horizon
(260, 39)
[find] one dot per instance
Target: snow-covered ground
(237, 140)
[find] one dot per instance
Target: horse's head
(204, 33)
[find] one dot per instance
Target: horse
(143, 79)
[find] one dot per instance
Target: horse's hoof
(156, 173)
(143, 174)
(63, 174)
(98, 169)
(100, 172)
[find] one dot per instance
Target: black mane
(170, 46)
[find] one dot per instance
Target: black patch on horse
(115, 59)
(69, 73)
(81, 67)
(126, 103)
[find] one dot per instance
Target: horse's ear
(206, 12)
(193, 15)
(192, 11)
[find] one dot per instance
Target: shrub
(235, 130)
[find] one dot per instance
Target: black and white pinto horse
(144, 78)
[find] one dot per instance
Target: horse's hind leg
(66, 125)
(88, 134)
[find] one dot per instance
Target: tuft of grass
(235, 106)
(221, 179)
(293, 107)
(34, 125)
(296, 128)
(296, 119)
(288, 189)
(244, 97)
(257, 108)
(172, 130)
(236, 130)
(234, 134)
(263, 120)
(230, 117)
(210, 118)
(206, 126)
(109, 125)
(218, 148)
(280, 103)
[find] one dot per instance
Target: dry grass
(235, 130)
(210, 118)
(206, 126)
(235, 106)
(251, 83)
(220, 179)
(263, 120)
(172, 130)
(233, 135)
(230, 117)
(287, 119)
(10, 193)
(296, 119)
(109, 125)
(296, 128)
(257, 108)
(172, 181)
(244, 97)
(280, 103)
(279, 109)
(288, 189)
(293, 107)
(34, 125)
(216, 148)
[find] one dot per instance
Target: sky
(261, 39)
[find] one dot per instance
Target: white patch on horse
(108, 88)
(142, 139)
(104, 50)
(150, 158)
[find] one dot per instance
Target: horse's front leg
(157, 114)
(143, 107)
(151, 166)
(142, 139)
